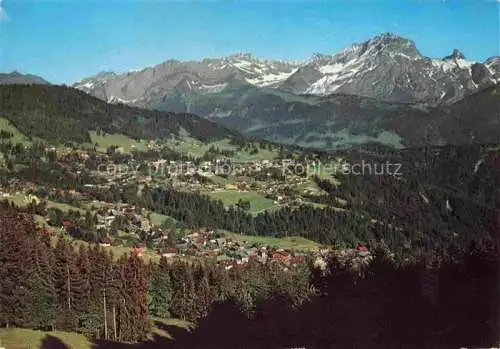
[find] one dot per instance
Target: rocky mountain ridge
(387, 67)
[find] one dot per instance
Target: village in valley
(253, 186)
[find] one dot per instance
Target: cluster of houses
(62, 152)
(226, 251)
(206, 243)
(132, 220)
(354, 259)
(219, 165)
(234, 254)
(183, 175)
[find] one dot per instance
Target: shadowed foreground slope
(384, 310)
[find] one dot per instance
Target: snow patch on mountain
(212, 88)
(116, 100)
(270, 79)
(87, 85)
(324, 86)
(332, 68)
(261, 72)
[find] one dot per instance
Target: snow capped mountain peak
(493, 65)
(389, 67)
(387, 43)
(241, 55)
(105, 74)
(329, 73)
(386, 67)
(392, 44)
(257, 71)
(455, 55)
(388, 37)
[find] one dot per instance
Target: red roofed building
(139, 249)
(169, 252)
(67, 224)
(361, 248)
(281, 256)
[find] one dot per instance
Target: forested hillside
(63, 114)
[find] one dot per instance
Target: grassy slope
(193, 147)
(158, 218)
(119, 251)
(128, 144)
(20, 200)
(64, 207)
(231, 197)
(169, 322)
(17, 137)
(263, 154)
(20, 338)
(291, 243)
(186, 144)
(17, 199)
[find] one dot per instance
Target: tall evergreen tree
(133, 315)
(17, 267)
(184, 291)
(160, 290)
(44, 296)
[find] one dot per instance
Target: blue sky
(66, 40)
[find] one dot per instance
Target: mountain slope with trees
(63, 114)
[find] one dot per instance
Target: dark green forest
(66, 115)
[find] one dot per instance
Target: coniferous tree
(160, 290)
(184, 291)
(204, 291)
(44, 296)
(64, 276)
(17, 267)
(133, 313)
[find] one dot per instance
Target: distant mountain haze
(18, 78)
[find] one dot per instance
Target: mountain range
(326, 101)
(382, 90)
(387, 67)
